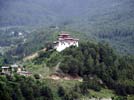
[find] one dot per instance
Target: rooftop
(14, 65)
(5, 67)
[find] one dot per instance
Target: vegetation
(23, 88)
(100, 60)
(112, 25)
(17, 48)
(98, 65)
(105, 73)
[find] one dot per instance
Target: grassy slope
(68, 85)
(131, 97)
(45, 71)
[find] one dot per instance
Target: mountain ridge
(31, 12)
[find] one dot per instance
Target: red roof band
(64, 36)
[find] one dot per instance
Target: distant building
(19, 69)
(64, 41)
(5, 69)
(16, 68)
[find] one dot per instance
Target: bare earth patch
(57, 76)
(34, 55)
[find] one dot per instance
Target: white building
(64, 41)
(5, 69)
(16, 68)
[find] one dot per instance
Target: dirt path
(32, 56)
(64, 77)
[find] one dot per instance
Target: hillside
(106, 20)
(91, 70)
(17, 47)
(100, 68)
(33, 12)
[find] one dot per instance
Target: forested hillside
(33, 12)
(101, 67)
(18, 46)
(98, 65)
(104, 75)
(108, 20)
